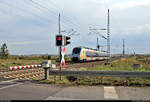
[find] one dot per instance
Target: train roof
(89, 48)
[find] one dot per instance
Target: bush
(67, 58)
(3, 65)
(14, 63)
(19, 64)
(71, 78)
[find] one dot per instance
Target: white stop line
(110, 93)
(10, 86)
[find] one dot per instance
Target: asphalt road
(26, 90)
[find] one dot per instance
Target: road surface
(27, 90)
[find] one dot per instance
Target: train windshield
(76, 50)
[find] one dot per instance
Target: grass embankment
(6, 63)
(123, 64)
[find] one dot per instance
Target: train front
(75, 57)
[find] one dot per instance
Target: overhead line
(39, 10)
(52, 12)
(60, 10)
(23, 10)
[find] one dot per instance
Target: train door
(83, 55)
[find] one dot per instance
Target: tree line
(5, 54)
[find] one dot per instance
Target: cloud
(145, 27)
(132, 3)
(24, 42)
(138, 30)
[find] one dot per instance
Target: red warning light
(58, 38)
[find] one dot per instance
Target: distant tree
(4, 52)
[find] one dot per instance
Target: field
(125, 64)
(6, 63)
(121, 64)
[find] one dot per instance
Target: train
(83, 54)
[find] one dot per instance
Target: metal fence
(101, 73)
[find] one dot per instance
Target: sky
(30, 26)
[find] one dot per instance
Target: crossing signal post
(59, 44)
(58, 40)
(66, 40)
(62, 41)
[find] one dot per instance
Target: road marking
(61, 98)
(10, 86)
(110, 93)
(8, 81)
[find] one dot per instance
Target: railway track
(85, 64)
(23, 74)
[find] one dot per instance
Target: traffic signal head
(66, 40)
(58, 40)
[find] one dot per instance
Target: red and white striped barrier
(25, 67)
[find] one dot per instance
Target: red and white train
(87, 54)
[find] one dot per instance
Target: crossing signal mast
(123, 51)
(59, 43)
(107, 38)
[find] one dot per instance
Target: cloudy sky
(30, 26)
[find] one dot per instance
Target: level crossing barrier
(25, 67)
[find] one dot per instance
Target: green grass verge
(122, 64)
(90, 81)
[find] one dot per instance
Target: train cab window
(76, 50)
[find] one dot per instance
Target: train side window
(88, 54)
(94, 54)
(97, 54)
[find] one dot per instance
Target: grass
(90, 81)
(56, 80)
(122, 64)
(6, 63)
